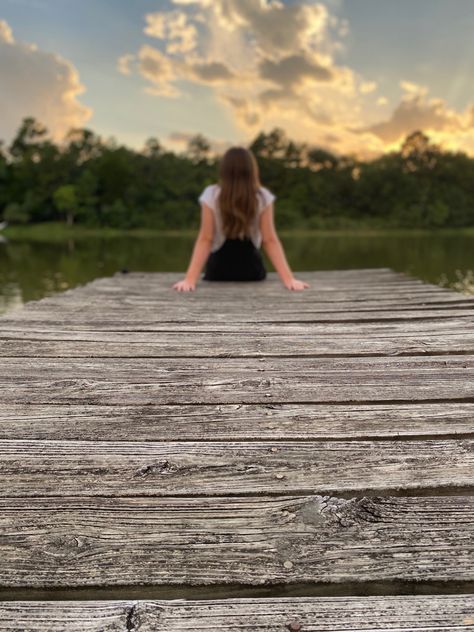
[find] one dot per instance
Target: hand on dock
(295, 284)
(184, 286)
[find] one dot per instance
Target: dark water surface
(31, 269)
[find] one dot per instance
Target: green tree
(65, 199)
(198, 149)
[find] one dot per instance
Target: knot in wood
(335, 511)
(64, 546)
(161, 468)
(294, 626)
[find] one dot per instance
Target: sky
(351, 76)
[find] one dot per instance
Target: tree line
(99, 183)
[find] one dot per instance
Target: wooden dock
(240, 457)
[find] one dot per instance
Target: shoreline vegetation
(94, 183)
(52, 231)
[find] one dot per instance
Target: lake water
(31, 269)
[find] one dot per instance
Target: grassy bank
(59, 232)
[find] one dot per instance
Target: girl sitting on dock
(236, 219)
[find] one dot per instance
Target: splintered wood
(239, 435)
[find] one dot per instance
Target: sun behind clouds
(274, 64)
(255, 64)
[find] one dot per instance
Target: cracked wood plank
(442, 327)
(235, 380)
(70, 616)
(101, 319)
(233, 422)
(407, 613)
(176, 344)
(252, 541)
(329, 301)
(46, 331)
(82, 468)
(377, 613)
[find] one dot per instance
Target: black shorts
(236, 260)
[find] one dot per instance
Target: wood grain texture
(350, 613)
(143, 381)
(183, 344)
(77, 331)
(69, 616)
(132, 319)
(239, 434)
(233, 422)
(253, 541)
(147, 299)
(366, 330)
(320, 301)
(80, 468)
(400, 613)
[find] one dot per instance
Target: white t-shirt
(209, 196)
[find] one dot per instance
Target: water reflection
(31, 269)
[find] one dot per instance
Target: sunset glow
(351, 77)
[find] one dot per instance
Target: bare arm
(201, 250)
(274, 250)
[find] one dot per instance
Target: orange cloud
(273, 64)
(416, 111)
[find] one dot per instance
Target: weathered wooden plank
(349, 278)
(151, 309)
(146, 367)
(108, 302)
(132, 541)
(234, 422)
(132, 320)
(235, 380)
(330, 296)
(45, 330)
(143, 294)
(101, 311)
(317, 300)
(322, 279)
(379, 613)
(70, 616)
(317, 615)
(157, 284)
(123, 468)
(328, 301)
(183, 344)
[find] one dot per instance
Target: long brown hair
(239, 181)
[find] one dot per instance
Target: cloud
(366, 87)
(40, 84)
(270, 63)
(417, 111)
(264, 60)
(163, 72)
(6, 33)
(411, 88)
(211, 72)
(173, 26)
(123, 64)
(292, 69)
(159, 70)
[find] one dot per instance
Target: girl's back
(210, 196)
(236, 219)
